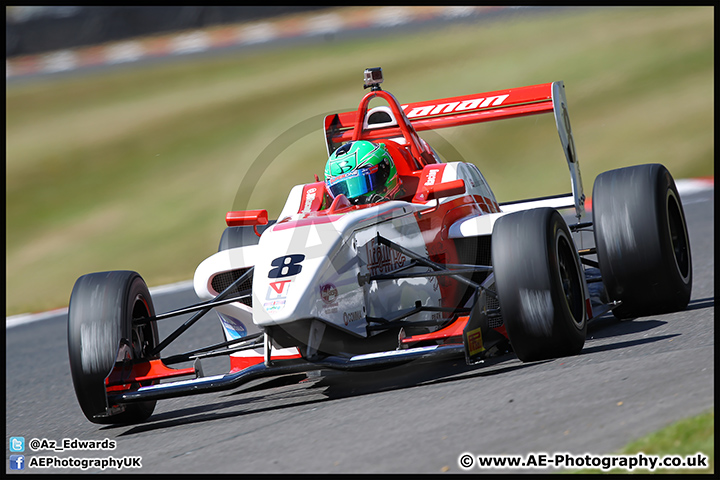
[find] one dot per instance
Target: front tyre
(540, 284)
(101, 333)
(242, 236)
(642, 240)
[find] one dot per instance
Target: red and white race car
(442, 271)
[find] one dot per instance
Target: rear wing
(455, 111)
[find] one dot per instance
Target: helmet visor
(361, 181)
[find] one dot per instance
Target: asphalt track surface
(632, 378)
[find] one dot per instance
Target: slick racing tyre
(102, 308)
(642, 240)
(233, 237)
(540, 284)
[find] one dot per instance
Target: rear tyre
(540, 284)
(102, 308)
(642, 240)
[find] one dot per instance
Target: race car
(439, 269)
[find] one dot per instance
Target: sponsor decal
(309, 199)
(274, 305)
(382, 259)
(455, 107)
(431, 177)
(474, 342)
(233, 326)
(279, 287)
(328, 293)
(276, 295)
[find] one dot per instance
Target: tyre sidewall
(99, 322)
(633, 240)
(537, 317)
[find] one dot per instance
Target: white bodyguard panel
(298, 277)
(475, 226)
(235, 317)
(292, 205)
(483, 224)
(475, 183)
(224, 261)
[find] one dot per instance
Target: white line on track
(26, 318)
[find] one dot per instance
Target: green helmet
(362, 171)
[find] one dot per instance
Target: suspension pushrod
(435, 266)
(413, 311)
(436, 273)
(401, 323)
(191, 321)
(428, 263)
(579, 226)
(193, 308)
(241, 344)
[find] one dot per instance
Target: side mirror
(246, 217)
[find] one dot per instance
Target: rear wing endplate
(469, 109)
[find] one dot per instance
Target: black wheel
(642, 240)
(102, 308)
(540, 284)
(233, 237)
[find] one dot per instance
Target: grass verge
(135, 168)
(684, 438)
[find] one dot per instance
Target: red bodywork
(416, 164)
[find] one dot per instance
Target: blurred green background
(135, 168)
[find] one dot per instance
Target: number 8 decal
(286, 266)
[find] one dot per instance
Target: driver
(362, 171)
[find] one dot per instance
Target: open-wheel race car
(438, 269)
